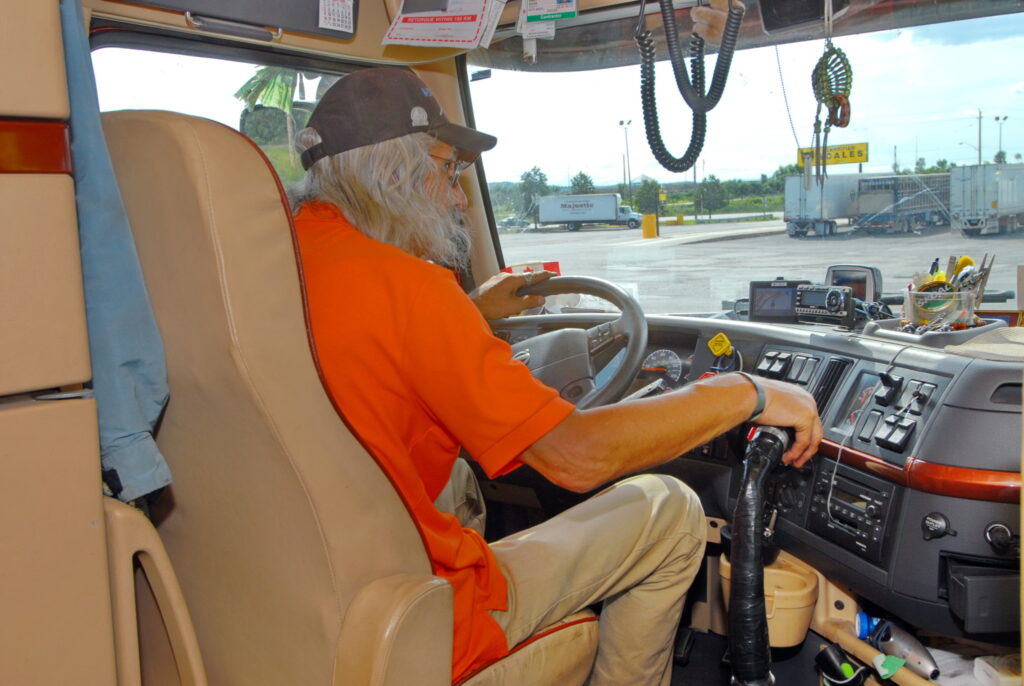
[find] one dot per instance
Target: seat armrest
(397, 631)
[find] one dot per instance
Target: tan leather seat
(299, 562)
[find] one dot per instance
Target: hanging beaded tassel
(831, 80)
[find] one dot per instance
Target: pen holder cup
(936, 307)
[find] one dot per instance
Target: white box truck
(817, 208)
(987, 198)
(576, 210)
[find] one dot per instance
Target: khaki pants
(461, 497)
(636, 546)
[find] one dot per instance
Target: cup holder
(791, 592)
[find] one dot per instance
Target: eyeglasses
(453, 168)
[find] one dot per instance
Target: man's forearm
(592, 447)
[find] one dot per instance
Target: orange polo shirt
(416, 372)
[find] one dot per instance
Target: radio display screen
(850, 499)
(813, 298)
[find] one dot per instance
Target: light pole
(624, 123)
(1000, 120)
(971, 146)
(979, 137)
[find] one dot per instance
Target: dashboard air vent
(830, 378)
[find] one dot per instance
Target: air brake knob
(890, 390)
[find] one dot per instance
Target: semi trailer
(987, 198)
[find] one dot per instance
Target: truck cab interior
(274, 550)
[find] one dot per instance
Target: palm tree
(273, 87)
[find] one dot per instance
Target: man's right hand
(709, 22)
(792, 406)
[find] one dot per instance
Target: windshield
(927, 104)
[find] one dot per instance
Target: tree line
(710, 194)
(705, 197)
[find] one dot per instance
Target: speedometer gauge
(663, 363)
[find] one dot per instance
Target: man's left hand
(496, 298)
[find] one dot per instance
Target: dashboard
(913, 499)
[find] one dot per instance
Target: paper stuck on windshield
(441, 23)
(549, 10)
(491, 24)
(544, 30)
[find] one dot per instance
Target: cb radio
(826, 304)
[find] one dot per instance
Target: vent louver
(830, 378)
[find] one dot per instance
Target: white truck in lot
(987, 198)
(595, 208)
(817, 209)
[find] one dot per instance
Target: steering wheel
(564, 359)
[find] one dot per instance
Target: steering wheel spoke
(602, 337)
(566, 359)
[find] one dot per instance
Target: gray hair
(385, 190)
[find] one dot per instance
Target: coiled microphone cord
(692, 92)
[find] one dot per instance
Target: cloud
(1017, 88)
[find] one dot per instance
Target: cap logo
(419, 117)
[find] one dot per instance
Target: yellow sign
(661, 196)
(720, 345)
(836, 154)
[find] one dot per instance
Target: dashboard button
(899, 435)
(885, 430)
(924, 395)
(780, 365)
(908, 393)
(766, 363)
(796, 368)
(808, 371)
(870, 424)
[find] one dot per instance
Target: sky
(916, 89)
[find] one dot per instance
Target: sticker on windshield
(549, 10)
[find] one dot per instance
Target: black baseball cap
(373, 105)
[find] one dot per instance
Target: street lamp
(974, 148)
(979, 137)
(624, 123)
(1000, 120)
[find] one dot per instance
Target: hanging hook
(641, 22)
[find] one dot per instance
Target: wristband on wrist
(761, 401)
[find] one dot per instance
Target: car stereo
(852, 510)
(828, 304)
(774, 301)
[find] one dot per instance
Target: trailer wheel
(575, 226)
(633, 224)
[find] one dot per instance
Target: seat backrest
(277, 516)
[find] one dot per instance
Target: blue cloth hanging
(128, 367)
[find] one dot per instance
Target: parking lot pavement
(704, 233)
(700, 267)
